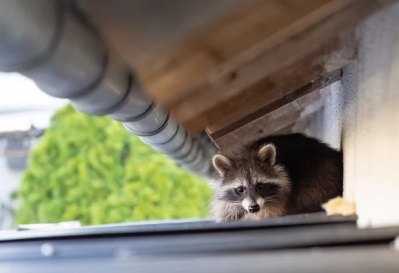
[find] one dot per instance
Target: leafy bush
(91, 169)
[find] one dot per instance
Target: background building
(25, 112)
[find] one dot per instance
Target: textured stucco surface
(371, 122)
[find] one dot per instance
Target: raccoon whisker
(235, 203)
(267, 199)
(272, 197)
(277, 196)
(270, 201)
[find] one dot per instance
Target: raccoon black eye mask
(276, 176)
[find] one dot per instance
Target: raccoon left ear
(268, 152)
(221, 163)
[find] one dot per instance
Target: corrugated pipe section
(50, 42)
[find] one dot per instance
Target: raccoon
(276, 176)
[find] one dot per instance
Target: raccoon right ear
(268, 152)
(221, 163)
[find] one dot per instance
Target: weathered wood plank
(278, 121)
(251, 30)
(139, 29)
(276, 90)
(243, 49)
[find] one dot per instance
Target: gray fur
(285, 174)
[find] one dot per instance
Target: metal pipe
(52, 43)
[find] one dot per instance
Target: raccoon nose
(253, 208)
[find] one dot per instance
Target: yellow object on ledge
(339, 206)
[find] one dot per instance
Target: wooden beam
(278, 121)
(242, 49)
(276, 90)
(140, 29)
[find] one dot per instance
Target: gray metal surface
(371, 259)
(23, 43)
(134, 105)
(52, 43)
(75, 65)
(181, 226)
(168, 133)
(203, 241)
(109, 92)
(184, 148)
(150, 122)
(306, 243)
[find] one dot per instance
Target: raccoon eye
(262, 187)
(240, 189)
(267, 188)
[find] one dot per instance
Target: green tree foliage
(91, 169)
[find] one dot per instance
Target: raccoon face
(255, 182)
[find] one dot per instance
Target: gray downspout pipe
(50, 42)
